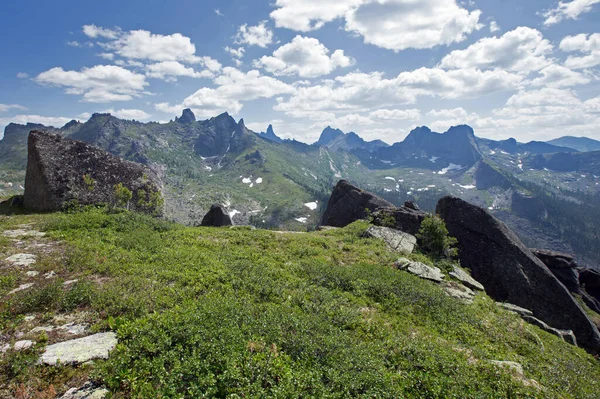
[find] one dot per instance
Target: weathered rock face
(510, 272)
(217, 216)
(348, 203)
(60, 170)
(589, 281)
(407, 218)
(397, 241)
(562, 266)
(187, 116)
(486, 176)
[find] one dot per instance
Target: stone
(348, 204)
(22, 259)
(22, 233)
(420, 269)
(511, 273)
(61, 170)
(459, 291)
(23, 345)
(465, 278)
(80, 350)
(396, 240)
(565, 335)
(4, 348)
(562, 266)
(217, 216)
(515, 309)
(87, 391)
(50, 274)
(514, 367)
(407, 219)
(22, 287)
(32, 273)
(70, 282)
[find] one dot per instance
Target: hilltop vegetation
(205, 312)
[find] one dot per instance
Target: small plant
(435, 239)
(89, 181)
(122, 195)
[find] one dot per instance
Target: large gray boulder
(80, 350)
(510, 272)
(347, 204)
(396, 240)
(406, 218)
(61, 170)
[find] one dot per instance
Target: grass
(206, 312)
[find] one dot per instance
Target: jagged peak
(70, 124)
(461, 129)
(187, 116)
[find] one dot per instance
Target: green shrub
(122, 195)
(435, 239)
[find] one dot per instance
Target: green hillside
(206, 312)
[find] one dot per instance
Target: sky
(528, 69)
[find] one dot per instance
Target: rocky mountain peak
(270, 130)
(187, 116)
(328, 135)
(270, 135)
(71, 124)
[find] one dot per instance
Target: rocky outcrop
(270, 135)
(217, 216)
(589, 283)
(396, 240)
(187, 116)
(60, 170)
(348, 203)
(486, 177)
(562, 266)
(80, 350)
(407, 218)
(510, 272)
(420, 269)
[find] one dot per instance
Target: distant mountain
(423, 147)
(582, 144)
(511, 146)
(328, 135)
(581, 162)
(270, 135)
(351, 141)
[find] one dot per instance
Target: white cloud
(235, 52)
(494, 26)
(402, 24)
(129, 114)
(22, 75)
(568, 10)
(448, 113)
(75, 43)
(542, 97)
(305, 57)
(560, 76)
(8, 107)
(107, 56)
(233, 88)
(588, 45)
(258, 35)
(169, 70)
(219, 13)
(521, 50)
(101, 83)
(144, 45)
(307, 15)
(94, 32)
(396, 114)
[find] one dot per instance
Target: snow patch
(433, 159)
(246, 180)
(311, 205)
(449, 168)
(492, 152)
(467, 187)
(259, 180)
(233, 213)
(302, 220)
(390, 178)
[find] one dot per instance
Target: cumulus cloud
(390, 24)
(8, 107)
(568, 10)
(75, 43)
(396, 114)
(494, 26)
(233, 88)
(94, 32)
(521, 50)
(448, 113)
(305, 57)
(130, 114)
(22, 75)
(587, 45)
(259, 35)
(170, 70)
(560, 76)
(235, 52)
(101, 83)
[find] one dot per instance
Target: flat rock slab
(22, 287)
(459, 291)
(80, 350)
(396, 240)
(465, 278)
(22, 259)
(515, 309)
(87, 391)
(23, 345)
(22, 233)
(420, 269)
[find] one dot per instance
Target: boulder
(458, 291)
(347, 204)
(217, 216)
(420, 270)
(562, 266)
(565, 335)
(396, 240)
(406, 218)
(60, 170)
(465, 278)
(589, 282)
(515, 309)
(510, 272)
(80, 350)
(88, 391)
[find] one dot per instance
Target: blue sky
(509, 68)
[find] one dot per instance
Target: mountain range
(547, 192)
